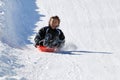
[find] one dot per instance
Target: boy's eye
(55, 22)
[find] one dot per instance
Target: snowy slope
(92, 31)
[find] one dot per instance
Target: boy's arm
(62, 37)
(39, 36)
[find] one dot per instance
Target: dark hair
(54, 17)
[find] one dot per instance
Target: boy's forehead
(54, 19)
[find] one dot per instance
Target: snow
(92, 31)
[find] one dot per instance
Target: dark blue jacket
(45, 30)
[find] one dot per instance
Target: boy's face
(54, 23)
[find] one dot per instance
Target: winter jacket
(48, 30)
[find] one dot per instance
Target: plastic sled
(46, 49)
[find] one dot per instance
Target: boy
(50, 36)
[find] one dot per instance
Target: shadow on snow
(27, 19)
(82, 52)
(24, 18)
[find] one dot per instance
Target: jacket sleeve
(40, 36)
(62, 37)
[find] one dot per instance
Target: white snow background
(91, 52)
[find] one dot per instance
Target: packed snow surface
(91, 52)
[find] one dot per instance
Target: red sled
(46, 49)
